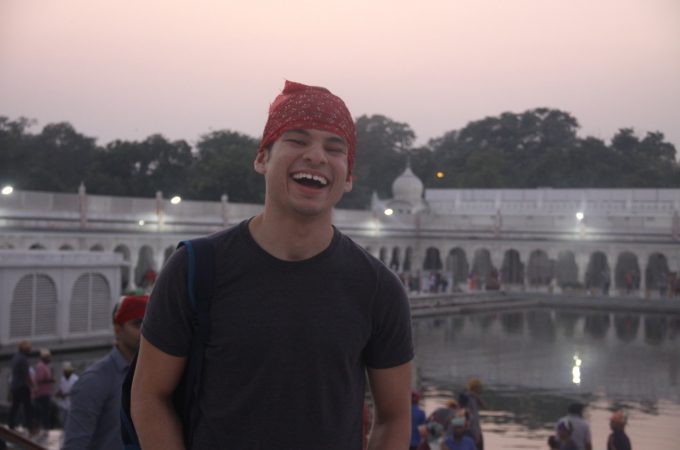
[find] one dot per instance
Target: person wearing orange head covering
(618, 439)
(94, 417)
(301, 315)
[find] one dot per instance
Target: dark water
(529, 363)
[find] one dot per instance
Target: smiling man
(300, 315)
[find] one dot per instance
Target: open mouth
(310, 180)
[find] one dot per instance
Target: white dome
(407, 186)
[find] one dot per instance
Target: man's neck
(127, 354)
(291, 239)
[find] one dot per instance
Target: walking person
(580, 432)
(618, 439)
(94, 419)
(21, 387)
(300, 317)
(42, 390)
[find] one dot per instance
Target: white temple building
(60, 251)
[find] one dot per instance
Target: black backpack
(200, 286)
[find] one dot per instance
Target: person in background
(456, 439)
(94, 419)
(63, 396)
(618, 439)
(580, 428)
(21, 387)
(418, 419)
(564, 433)
(471, 401)
(43, 384)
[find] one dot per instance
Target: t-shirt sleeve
(391, 343)
(167, 322)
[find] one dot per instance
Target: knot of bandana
(309, 107)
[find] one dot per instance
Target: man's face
(305, 172)
(128, 335)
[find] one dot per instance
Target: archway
(485, 274)
(597, 274)
(65, 247)
(656, 275)
(146, 268)
(541, 268)
(432, 259)
(33, 311)
(408, 259)
(37, 246)
(125, 269)
(627, 272)
(457, 265)
(512, 269)
(566, 270)
(395, 259)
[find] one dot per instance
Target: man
(618, 439)
(565, 434)
(472, 401)
(580, 428)
(418, 420)
(21, 387)
(300, 313)
(43, 385)
(94, 419)
(457, 439)
(66, 382)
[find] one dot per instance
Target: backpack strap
(200, 288)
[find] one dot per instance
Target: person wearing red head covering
(300, 314)
(93, 420)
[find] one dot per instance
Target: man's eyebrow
(297, 130)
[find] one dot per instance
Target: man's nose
(315, 153)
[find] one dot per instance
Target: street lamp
(7, 190)
(389, 211)
(579, 216)
(440, 174)
(176, 200)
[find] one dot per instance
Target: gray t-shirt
(289, 342)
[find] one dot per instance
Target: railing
(17, 440)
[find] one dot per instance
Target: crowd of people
(457, 425)
(86, 406)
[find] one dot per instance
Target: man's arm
(88, 397)
(391, 390)
(156, 377)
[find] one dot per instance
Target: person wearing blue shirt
(418, 418)
(457, 440)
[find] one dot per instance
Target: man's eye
(337, 150)
(296, 141)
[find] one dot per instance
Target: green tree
(224, 165)
(382, 144)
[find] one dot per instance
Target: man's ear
(260, 162)
(348, 183)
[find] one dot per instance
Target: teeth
(309, 176)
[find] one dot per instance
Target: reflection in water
(533, 372)
(655, 329)
(513, 322)
(597, 325)
(626, 326)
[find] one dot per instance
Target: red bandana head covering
(131, 307)
(309, 107)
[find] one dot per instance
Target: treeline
(536, 148)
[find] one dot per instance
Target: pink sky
(127, 69)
